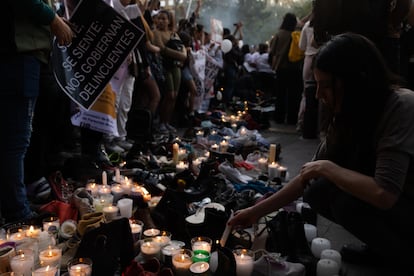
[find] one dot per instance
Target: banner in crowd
(103, 40)
(216, 30)
(204, 70)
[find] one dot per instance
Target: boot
(278, 239)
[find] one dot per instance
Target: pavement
(295, 152)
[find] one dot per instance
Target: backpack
(295, 53)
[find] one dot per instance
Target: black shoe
(358, 254)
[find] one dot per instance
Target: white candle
(262, 164)
(80, 270)
(327, 267)
(181, 166)
(51, 224)
(243, 131)
(182, 261)
(162, 240)
(272, 154)
(175, 153)
(110, 212)
(182, 154)
(117, 175)
(318, 245)
(201, 243)
(214, 147)
(104, 178)
(51, 256)
(125, 207)
(93, 188)
(22, 263)
(224, 146)
(126, 185)
(199, 267)
(104, 190)
(310, 231)
(282, 172)
(152, 232)
(45, 271)
(33, 232)
(272, 170)
(17, 237)
(117, 191)
(332, 255)
(136, 229)
(244, 262)
(234, 126)
(150, 249)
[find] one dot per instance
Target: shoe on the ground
(358, 254)
(83, 201)
(39, 190)
(171, 128)
(124, 144)
(113, 147)
(163, 129)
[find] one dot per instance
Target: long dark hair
(289, 22)
(367, 83)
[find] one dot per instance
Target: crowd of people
(345, 89)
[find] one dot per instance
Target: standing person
(164, 31)
(286, 107)
(26, 31)
(310, 48)
(362, 174)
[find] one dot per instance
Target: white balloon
(226, 46)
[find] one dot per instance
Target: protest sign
(103, 40)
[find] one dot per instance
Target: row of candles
(31, 250)
(330, 260)
(198, 260)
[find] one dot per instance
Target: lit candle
(175, 153)
(244, 262)
(22, 263)
(326, 267)
(80, 267)
(201, 243)
(136, 229)
(272, 170)
(180, 167)
(145, 194)
(224, 146)
(200, 136)
(262, 162)
(150, 249)
(33, 232)
(104, 178)
(126, 185)
(45, 271)
(17, 237)
(332, 255)
(182, 261)
(51, 224)
(152, 232)
(282, 172)
(201, 256)
(93, 188)
(214, 147)
(182, 154)
(272, 154)
(310, 231)
(117, 191)
(110, 212)
(104, 190)
(318, 245)
(163, 239)
(50, 256)
(243, 131)
(199, 268)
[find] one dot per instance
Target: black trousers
(388, 233)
